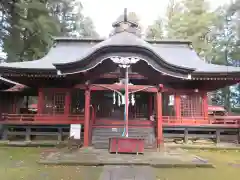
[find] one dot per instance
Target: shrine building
(120, 86)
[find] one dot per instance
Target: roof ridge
(151, 41)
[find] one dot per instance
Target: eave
(216, 76)
(11, 85)
(14, 71)
(115, 50)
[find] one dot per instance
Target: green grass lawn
(20, 164)
(221, 159)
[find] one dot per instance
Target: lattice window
(77, 102)
(191, 106)
(54, 102)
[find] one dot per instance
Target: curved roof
(68, 51)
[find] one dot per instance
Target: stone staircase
(100, 136)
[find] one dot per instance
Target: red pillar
(40, 101)
(86, 117)
(67, 103)
(159, 119)
(177, 105)
(205, 105)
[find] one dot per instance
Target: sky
(105, 12)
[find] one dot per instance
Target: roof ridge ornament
(125, 24)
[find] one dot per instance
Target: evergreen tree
(72, 22)
(27, 29)
(155, 31)
(27, 26)
(192, 20)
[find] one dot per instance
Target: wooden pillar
(67, 103)
(159, 119)
(186, 135)
(177, 105)
(94, 114)
(150, 105)
(205, 105)
(60, 134)
(238, 132)
(218, 133)
(86, 117)
(28, 134)
(40, 101)
(27, 102)
(14, 104)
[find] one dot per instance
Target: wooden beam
(102, 87)
(117, 75)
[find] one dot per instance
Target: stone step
(106, 146)
(121, 130)
(97, 138)
(100, 136)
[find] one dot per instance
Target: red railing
(171, 120)
(131, 122)
(79, 119)
(42, 118)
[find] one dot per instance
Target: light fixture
(196, 90)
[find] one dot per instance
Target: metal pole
(126, 100)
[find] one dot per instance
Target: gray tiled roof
(176, 53)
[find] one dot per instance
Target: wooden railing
(131, 122)
(71, 119)
(171, 120)
(42, 118)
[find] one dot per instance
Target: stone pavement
(219, 146)
(97, 157)
(127, 173)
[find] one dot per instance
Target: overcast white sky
(105, 12)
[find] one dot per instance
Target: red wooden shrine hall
(83, 81)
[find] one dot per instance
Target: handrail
(41, 117)
(166, 120)
(201, 120)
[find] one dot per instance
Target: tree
(27, 29)
(192, 20)
(87, 28)
(155, 31)
(27, 26)
(225, 51)
(72, 22)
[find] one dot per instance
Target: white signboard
(75, 131)
(114, 130)
(171, 100)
